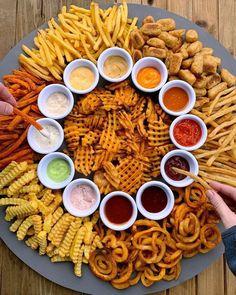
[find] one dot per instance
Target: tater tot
(191, 36)
(197, 65)
(187, 63)
(167, 24)
(169, 40)
(213, 80)
(187, 76)
(209, 64)
(156, 42)
(201, 82)
(227, 77)
(200, 91)
(217, 89)
(148, 19)
(175, 61)
(194, 48)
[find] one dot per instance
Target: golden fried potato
(227, 77)
(191, 36)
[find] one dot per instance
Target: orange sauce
(149, 77)
(175, 99)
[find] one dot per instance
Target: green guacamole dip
(58, 170)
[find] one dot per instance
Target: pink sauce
(83, 197)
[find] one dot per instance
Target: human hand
(6, 106)
(216, 196)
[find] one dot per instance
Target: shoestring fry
(152, 251)
(119, 135)
(79, 33)
(39, 218)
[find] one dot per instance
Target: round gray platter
(62, 273)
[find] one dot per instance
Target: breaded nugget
(167, 24)
(191, 36)
(169, 40)
(194, 48)
(213, 80)
(156, 42)
(175, 61)
(148, 19)
(151, 29)
(217, 89)
(197, 65)
(137, 39)
(187, 76)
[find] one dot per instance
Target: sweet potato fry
(17, 156)
(26, 102)
(28, 118)
(8, 136)
(18, 119)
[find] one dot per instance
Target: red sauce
(178, 162)
(118, 209)
(187, 132)
(154, 199)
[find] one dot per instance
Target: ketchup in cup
(187, 132)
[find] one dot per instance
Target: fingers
(6, 108)
(226, 190)
(227, 216)
(6, 95)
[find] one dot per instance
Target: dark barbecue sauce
(154, 199)
(178, 162)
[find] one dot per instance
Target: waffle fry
(118, 134)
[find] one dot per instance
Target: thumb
(5, 108)
(227, 216)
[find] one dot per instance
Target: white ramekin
(114, 226)
(49, 90)
(203, 129)
(170, 201)
(114, 51)
(193, 168)
(31, 136)
(186, 87)
(66, 197)
(42, 170)
(149, 62)
(77, 63)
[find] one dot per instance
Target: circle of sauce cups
(55, 101)
(115, 64)
(55, 170)
(42, 144)
(181, 158)
(87, 76)
(188, 132)
(81, 197)
(152, 64)
(118, 210)
(177, 97)
(155, 200)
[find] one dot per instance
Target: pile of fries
(118, 134)
(40, 220)
(81, 33)
(152, 251)
(25, 87)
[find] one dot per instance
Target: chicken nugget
(194, 48)
(175, 63)
(156, 42)
(170, 41)
(213, 80)
(191, 36)
(197, 65)
(187, 76)
(167, 24)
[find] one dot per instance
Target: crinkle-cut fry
(78, 264)
(76, 245)
(32, 242)
(13, 171)
(95, 217)
(26, 208)
(58, 258)
(12, 201)
(57, 215)
(37, 223)
(15, 225)
(42, 241)
(193, 176)
(7, 169)
(88, 235)
(64, 249)
(22, 230)
(31, 188)
(21, 182)
(61, 227)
